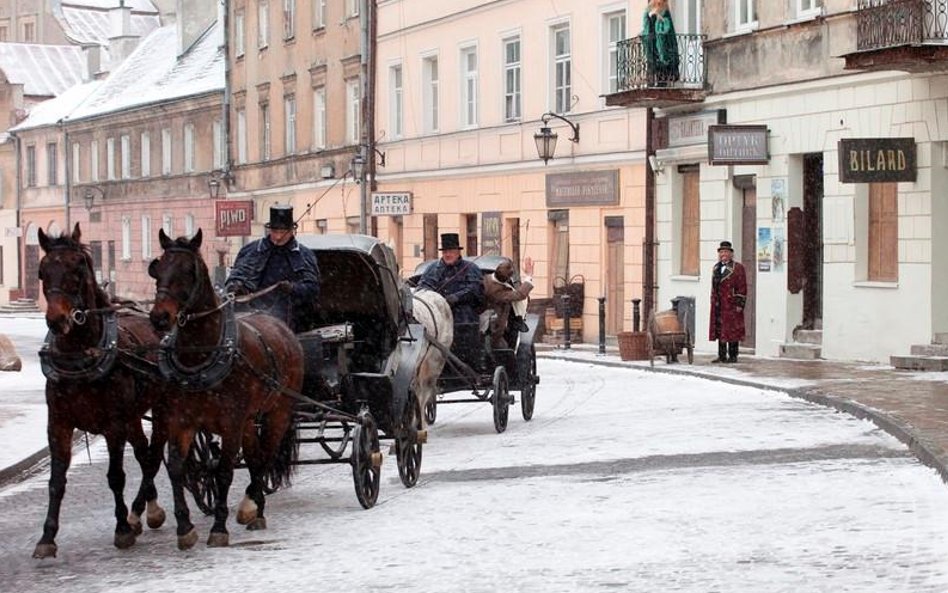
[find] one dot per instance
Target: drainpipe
(372, 35)
(367, 155)
(648, 274)
(21, 252)
(68, 171)
(224, 15)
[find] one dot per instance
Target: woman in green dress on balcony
(661, 44)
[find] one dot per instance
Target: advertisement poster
(764, 254)
(778, 199)
(778, 250)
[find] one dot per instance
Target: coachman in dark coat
(728, 296)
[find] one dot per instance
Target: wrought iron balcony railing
(882, 24)
(639, 65)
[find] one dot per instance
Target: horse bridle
(80, 313)
(184, 316)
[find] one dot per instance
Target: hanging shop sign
(874, 160)
(391, 203)
(233, 217)
(690, 129)
(593, 188)
(738, 145)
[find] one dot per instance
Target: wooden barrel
(666, 322)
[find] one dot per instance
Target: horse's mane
(66, 241)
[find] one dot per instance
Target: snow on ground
(22, 400)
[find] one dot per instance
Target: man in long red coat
(728, 295)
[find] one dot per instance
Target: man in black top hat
(458, 280)
(278, 259)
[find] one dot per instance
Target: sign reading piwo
(233, 217)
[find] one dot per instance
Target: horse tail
(283, 467)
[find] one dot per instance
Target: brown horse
(95, 361)
(233, 378)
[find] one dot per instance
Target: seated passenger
(508, 302)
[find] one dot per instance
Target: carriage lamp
(546, 137)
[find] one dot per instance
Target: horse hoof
(45, 551)
(135, 522)
(258, 524)
(246, 511)
(156, 517)
(124, 541)
(218, 540)
(187, 541)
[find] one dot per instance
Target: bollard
(602, 325)
(636, 318)
(566, 336)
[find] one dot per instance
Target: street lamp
(88, 197)
(546, 138)
(214, 184)
(358, 167)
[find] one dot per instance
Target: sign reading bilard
(738, 145)
(874, 160)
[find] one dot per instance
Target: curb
(927, 452)
(35, 463)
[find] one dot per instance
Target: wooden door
(690, 222)
(431, 236)
(883, 232)
(813, 241)
(560, 256)
(748, 257)
(615, 275)
(32, 284)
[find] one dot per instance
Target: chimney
(122, 41)
(93, 54)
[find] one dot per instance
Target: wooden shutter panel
(690, 224)
(883, 232)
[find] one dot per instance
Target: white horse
(432, 311)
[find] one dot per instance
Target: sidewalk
(910, 405)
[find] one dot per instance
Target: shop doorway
(615, 274)
(813, 241)
(748, 254)
(430, 223)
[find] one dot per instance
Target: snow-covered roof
(52, 111)
(87, 21)
(154, 73)
(43, 70)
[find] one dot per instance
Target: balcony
(644, 82)
(908, 35)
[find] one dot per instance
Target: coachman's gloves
(285, 286)
(237, 289)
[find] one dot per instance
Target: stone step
(930, 350)
(920, 363)
(809, 336)
(799, 351)
(940, 338)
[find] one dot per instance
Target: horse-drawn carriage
(489, 372)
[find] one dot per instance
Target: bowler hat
(450, 241)
(281, 217)
(725, 246)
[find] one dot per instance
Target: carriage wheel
(200, 475)
(366, 460)
(431, 409)
(338, 451)
(407, 447)
(501, 399)
(528, 385)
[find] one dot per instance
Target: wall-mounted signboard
(738, 145)
(874, 160)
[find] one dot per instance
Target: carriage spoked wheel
(407, 444)
(338, 451)
(501, 399)
(431, 409)
(200, 476)
(366, 460)
(528, 385)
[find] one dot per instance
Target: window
(217, 129)
(319, 118)
(166, 151)
(146, 154)
(94, 160)
(289, 125)
(319, 14)
(189, 225)
(146, 237)
(690, 218)
(289, 19)
(395, 100)
(29, 32)
(75, 162)
(883, 232)
(166, 224)
(126, 156)
(126, 238)
(263, 25)
(430, 93)
(241, 136)
(52, 160)
(806, 8)
(614, 29)
(353, 8)
(512, 79)
(469, 86)
(189, 148)
(110, 159)
(264, 131)
(30, 166)
(353, 112)
(562, 69)
(239, 34)
(745, 16)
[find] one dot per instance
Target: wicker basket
(633, 345)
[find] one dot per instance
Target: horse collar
(59, 366)
(213, 370)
